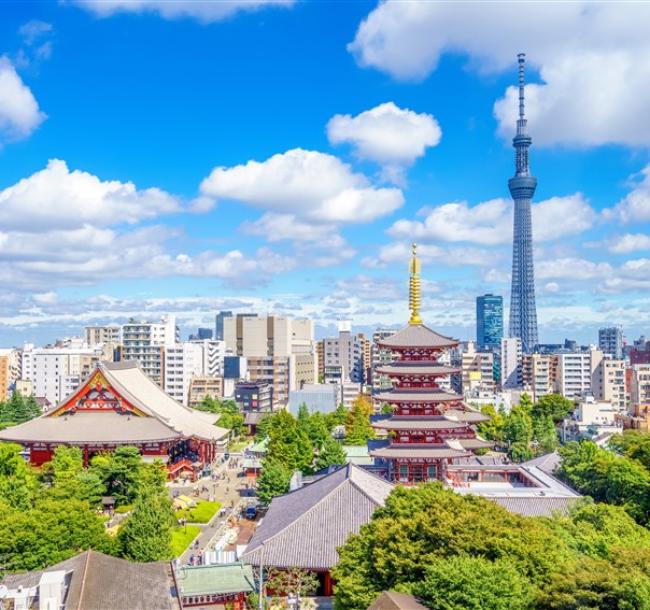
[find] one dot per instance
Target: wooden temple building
(431, 428)
(117, 405)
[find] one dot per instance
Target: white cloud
(594, 60)
(280, 227)
(400, 252)
(19, 111)
(311, 185)
(630, 242)
(490, 222)
(571, 269)
(635, 206)
(57, 198)
(201, 10)
(33, 30)
(393, 137)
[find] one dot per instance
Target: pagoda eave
(418, 424)
(410, 452)
(413, 397)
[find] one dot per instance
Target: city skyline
(203, 165)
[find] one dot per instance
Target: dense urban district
(252, 466)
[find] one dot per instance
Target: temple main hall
(431, 428)
(118, 405)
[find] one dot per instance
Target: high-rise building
(610, 341)
(608, 384)
(489, 321)
(10, 367)
(538, 374)
(144, 342)
(523, 312)
(102, 334)
(347, 351)
(218, 326)
(576, 372)
(477, 369)
(511, 363)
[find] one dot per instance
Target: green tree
(518, 431)
(289, 443)
(545, 434)
(69, 479)
(386, 409)
(337, 417)
(357, 426)
(147, 533)
(317, 430)
(120, 472)
(18, 485)
(520, 452)
(19, 409)
(526, 402)
(273, 481)
(51, 531)
(555, 405)
(492, 429)
(473, 583)
(330, 454)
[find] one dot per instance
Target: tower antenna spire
(521, 58)
(415, 296)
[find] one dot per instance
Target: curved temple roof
(418, 335)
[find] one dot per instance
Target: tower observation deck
(523, 312)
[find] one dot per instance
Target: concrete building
(347, 351)
(539, 372)
(477, 369)
(610, 341)
(640, 390)
(181, 362)
(608, 384)
(218, 324)
(144, 342)
(489, 322)
(204, 387)
(10, 371)
(511, 363)
(279, 350)
(55, 372)
(576, 373)
(95, 335)
(592, 418)
(381, 356)
(254, 396)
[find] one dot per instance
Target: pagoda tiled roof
(418, 423)
(475, 443)
(415, 451)
(417, 367)
(417, 396)
(418, 335)
(305, 527)
(467, 415)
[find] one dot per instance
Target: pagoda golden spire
(415, 297)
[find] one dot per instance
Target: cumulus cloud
(490, 223)
(400, 252)
(635, 206)
(19, 111)
(205, 12)
(308, 184)
(630, 242)
(393, 137)
(593, 59)
(280, 227)
(57, 198)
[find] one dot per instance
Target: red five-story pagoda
(430, 426)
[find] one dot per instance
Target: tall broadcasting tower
(523, 314)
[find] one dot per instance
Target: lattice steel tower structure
(523, 313)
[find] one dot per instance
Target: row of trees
(619, 477)
(529, 429)
(460, 552)
(17, 410)
(48, 516)
(306, 443)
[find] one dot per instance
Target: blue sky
(281, 156)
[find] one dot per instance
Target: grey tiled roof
(100, 582)
(537, 506)
(468, 415)
(546, 463)
(417, 396)
(418, 423)
(413, 451)
(391, 600)
(418, 336)
(417, 368)
(304, 528)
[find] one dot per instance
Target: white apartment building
(576, 372)
(95, 335)
(608, 384)
(55, 372)
(477, 369)
(538, 374)
(145, 343)
(511, 363)
(640, 390)
(185, 361)
(379, 357)
(347, 351)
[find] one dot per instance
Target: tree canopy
(457, 551)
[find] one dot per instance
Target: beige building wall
(609, 384)
(538, 374)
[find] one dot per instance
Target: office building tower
(218, 326)
(610, 341)
(489, 321)
(523, 313)
(511, 363)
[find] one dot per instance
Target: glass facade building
(489, 321)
